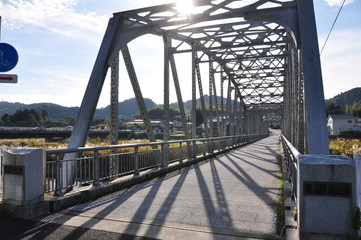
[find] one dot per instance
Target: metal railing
(291, 155)
(96, 164)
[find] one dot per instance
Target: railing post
(59, 177)
(194, 149)
(96, 168)
(205, 146)
(211, 147)
(357, 160)
(180, 152)
(162, 156)
(136, 161)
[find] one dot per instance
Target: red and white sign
(8, 78)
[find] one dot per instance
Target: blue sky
(58, 40)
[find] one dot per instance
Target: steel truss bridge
(262, 57)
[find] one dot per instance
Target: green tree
(70, 120)
(5, 119)
(44, 115)
(355, 109)
(26, 118)
(158, 113)
(334, 109)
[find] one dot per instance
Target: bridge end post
(326, 197)
(23, 191)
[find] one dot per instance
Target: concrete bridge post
(23, 193)
(326, 197)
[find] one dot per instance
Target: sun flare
(185, 6)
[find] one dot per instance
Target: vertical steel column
(246, 122)
(294, 56)
(203, 105)
(212, 79)
(317, 135)
(234, 112)
(210, 99)
(227, 115)
(167, 46)
(194, 103)
(300, 107)
(238, 116)
(138, 93)
(291, 80)
(114, 93)
(222, 105)
(287, 104)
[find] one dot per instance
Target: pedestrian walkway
(231, 196)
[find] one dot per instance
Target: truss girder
(266, 50)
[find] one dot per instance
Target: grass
(343, 146)
(41, 143)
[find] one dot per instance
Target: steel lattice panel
(251, 52)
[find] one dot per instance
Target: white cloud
(338, 2)
(59, 16)
(143, 3)
(341, 62)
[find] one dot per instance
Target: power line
(334, 22)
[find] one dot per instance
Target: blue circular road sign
(8, 57)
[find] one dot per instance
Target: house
(337, 123)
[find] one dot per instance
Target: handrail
(99, 166)
(291, 155)
(111, 147)
(293, 150)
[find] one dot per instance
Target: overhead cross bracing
(252, 52)
(262, 58)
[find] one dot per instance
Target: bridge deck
(231, 196)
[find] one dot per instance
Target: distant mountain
(349, 97)
(127, 108)
(55, 112)
(188, 104)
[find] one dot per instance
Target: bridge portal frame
(285, 49)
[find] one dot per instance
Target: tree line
(31, 118)
(354, 109)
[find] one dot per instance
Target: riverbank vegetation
(343, 146)
(42, 143)
(338, 146)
